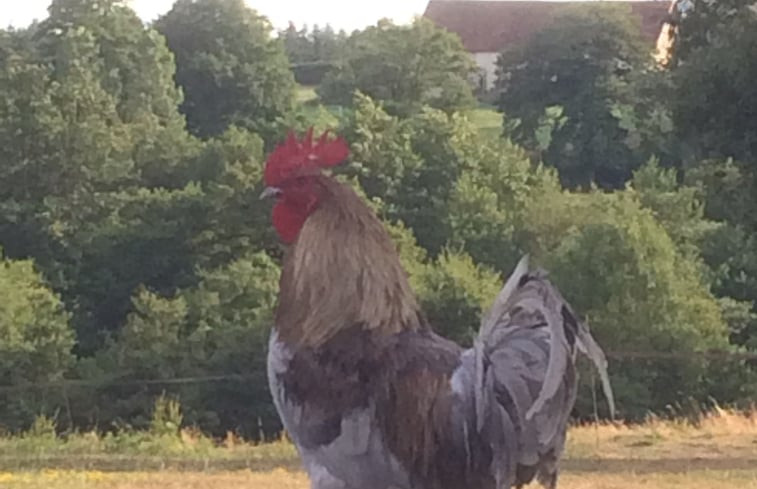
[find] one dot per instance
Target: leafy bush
(219, 327)
(406, 67)
(35, 343)
(620, 269)
(166, 417)
(312, 73)
(453, 292)
(231, 71)
(568, 90)
(146, 251)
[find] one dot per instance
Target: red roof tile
(489, 26)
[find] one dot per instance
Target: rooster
(370, 395)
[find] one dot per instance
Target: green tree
(61, 137)
(728, 190)
(231, 315)
(390, 168)
(620, 269)
(80, 152)
(405, 67)
(313, 53)
(102, 185)
(628, 260)
(314, 45)
(565, 89)
(712, 108)
(157, 238)
(219, 327)
(35, 343)
(436, 174)
(715, 100)
(231, 71)
(489, 204)
(133, 62)
(701, 23)
(230, 170)
(454, 292)
(133, 66)
(678, 208)
(297, 44)
(327, 43)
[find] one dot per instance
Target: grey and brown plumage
(372, 397)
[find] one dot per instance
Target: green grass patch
(718, 452)
(487, 120)
(305, 94)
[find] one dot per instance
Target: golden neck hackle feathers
(343, 271)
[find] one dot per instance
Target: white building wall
(487, 63)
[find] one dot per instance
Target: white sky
(341, 14)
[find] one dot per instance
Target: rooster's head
(292, 174)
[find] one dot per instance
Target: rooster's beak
(270, 192)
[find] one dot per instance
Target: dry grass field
(719, 453)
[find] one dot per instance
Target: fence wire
(202, 379)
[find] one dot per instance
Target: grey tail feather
(551, 311)
(592, 350)
(501, 303)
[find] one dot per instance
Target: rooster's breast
(338, 441)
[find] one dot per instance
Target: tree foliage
(629, 261)
(312, 52)
(35, 341)
(418, 165)
(712, 108)
(405, 67)
(94, 138)
(138, 253)
(716, 98)
(568, 93)
(639, 292)
(701, 23)
(230, 69)
(454, 292)
(132, 63)
(313, 45)
(218, 327)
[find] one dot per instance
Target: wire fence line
(621, 355)
(118, 382)
(202, 379)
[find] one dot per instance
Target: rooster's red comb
(293, 156)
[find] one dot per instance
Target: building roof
(489, 26)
